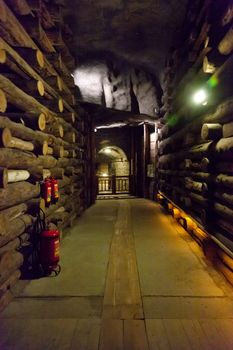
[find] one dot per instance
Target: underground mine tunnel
(116, 174)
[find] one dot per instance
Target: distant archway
(113, 170)
(112, 160)
(113, 152)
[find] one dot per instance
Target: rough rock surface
(117, 86)
(138, 32)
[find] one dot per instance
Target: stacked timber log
(42, 131)
(196, 141)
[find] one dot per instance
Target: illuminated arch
(112, 152)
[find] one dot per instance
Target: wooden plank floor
(122, 297)
(136, 310)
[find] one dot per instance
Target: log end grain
(73, 117)
(3, 178)
(61, 152)
(226, 45)
(6, 137)
(60, 105)
(204, 188)
(208, 67)
(2, 56)
(73, 137)
(61, 131)
(205, 164)
(50, 151)
(59, 83)
(3, 101)
(40, 58)
(204, 132)
(42, 122)
(211, 131)
(40, 88)
(45, 148)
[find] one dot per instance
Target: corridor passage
(131, 278)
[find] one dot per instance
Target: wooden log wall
(43, 131)
(195, 142)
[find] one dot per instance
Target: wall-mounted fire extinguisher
(49, 191)
(54, 190)
(46, 191)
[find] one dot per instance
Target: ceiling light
(200, 97)
(107, 150)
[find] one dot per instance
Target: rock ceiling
(123, 44)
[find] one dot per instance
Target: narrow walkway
(131, 279)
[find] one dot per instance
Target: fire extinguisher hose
(39, 226)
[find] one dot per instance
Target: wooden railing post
(113, 184)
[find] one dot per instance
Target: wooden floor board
(135, 337)
(111, 337)
(157, 336)
(174, 319)
(122, 297)
(86, 335)
(214, 335)
(226, 330)
(177, 337)
(36, 334)
(195, 334)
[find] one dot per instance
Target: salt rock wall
(117, 86)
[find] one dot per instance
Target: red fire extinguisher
(54, 190)
(49, 251)
(46, 191)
